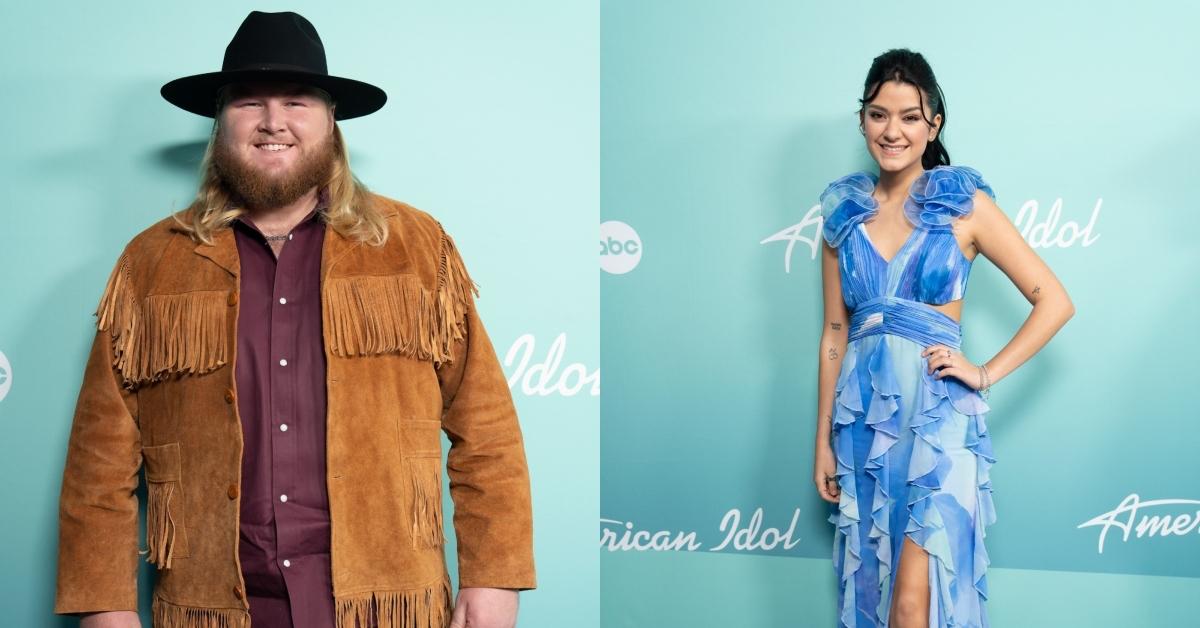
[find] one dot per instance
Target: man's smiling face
(274, 142)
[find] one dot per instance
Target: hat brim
(198, 93)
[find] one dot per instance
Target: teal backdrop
(721, 124)
(492, 125)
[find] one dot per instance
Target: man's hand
(480, 607)
(111, 619)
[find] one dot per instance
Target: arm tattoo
(833, 354)
(836, 326)
(1037, 289)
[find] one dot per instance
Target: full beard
(258, 190)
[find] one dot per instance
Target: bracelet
(985, 380)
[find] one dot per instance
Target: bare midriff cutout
(953, 309)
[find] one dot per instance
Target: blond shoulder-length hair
(350, 211)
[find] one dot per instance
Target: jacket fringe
(167, 333)
(370, 315)
(425, 607)
(119, 314)
(160, 524)
(167, 615)
(427, 502)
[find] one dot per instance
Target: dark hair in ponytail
(906, 66)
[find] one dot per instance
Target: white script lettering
(1148, 525)
(539, 378)
(642, 540)
(749, 538)
(617, 535)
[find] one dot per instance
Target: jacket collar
(223, 250)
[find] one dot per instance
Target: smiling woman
(902, 449)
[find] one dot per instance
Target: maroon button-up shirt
(280, 375)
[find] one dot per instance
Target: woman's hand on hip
(948, 361)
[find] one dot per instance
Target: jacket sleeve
(98, 511)
(489, 476)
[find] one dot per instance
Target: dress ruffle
(847, 548)
(845, 203)
(928, 467)
(942, 194)
(935, 198)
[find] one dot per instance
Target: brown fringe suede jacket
(407, 358)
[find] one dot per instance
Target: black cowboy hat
(274, 47)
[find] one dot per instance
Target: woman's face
(895, 130)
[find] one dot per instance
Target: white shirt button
(287, 563)
(283, 428)
(283, 498)
(283, 363)
(282, 301)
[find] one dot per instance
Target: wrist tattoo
(833, 354)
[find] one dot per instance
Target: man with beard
(282, 357)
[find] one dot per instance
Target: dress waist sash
(910, 319)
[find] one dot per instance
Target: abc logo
(5, 375)
(620, 247)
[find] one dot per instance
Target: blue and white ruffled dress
(912, 450)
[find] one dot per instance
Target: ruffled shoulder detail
(942, 194)
(845, 203)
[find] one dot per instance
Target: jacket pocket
(421, 450)
(420, 437)
(166, 532)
